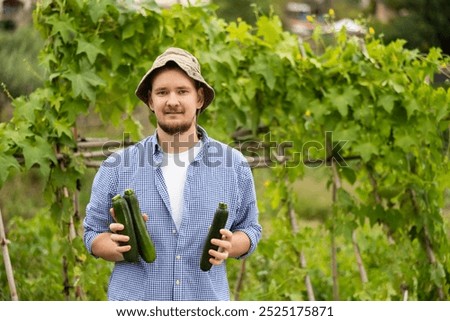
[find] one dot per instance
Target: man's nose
(172, 99)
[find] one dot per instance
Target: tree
(230, 11)
(21, 73)
(422, 23)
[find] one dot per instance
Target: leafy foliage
(43, 258)
(364, 110)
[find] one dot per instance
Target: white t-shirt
(174, 169)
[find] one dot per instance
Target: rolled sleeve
(247, 216)
(98, 217)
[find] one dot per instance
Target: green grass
(21, 195)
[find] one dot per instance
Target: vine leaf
(366, 150)
(84, 83)
(411, 105)
(387, 102)
(63, 25)
(98, 9)
(269, 30)
(91, 48)
(38, 152)
(260, 67)
(342, 100)
(405, 141)
(7, 162)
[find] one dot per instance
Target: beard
(174, 128)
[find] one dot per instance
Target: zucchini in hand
(123, 216)
(146, 247)
(219, 221)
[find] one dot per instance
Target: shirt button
(178, 257)
(174, 231)
(177, 282)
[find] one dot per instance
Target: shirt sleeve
(98, 217)
(247, 211)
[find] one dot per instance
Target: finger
(111, 210)
(219, 254)
(119, 238)
(145, 216)
(123, 249)
(215, 261)
(226, 234)
(217, 257)
(225, 245)
(115, 227)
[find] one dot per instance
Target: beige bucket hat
(187, 62)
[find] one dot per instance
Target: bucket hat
(187, 62)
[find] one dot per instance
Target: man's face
(175, 101)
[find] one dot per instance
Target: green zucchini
(123, 216)
(219, 221)
(146, 247)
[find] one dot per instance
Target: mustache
(170, 110)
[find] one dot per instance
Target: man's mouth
(174, 112)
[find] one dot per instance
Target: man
(179, 175)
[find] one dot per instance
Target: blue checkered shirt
(217, 174)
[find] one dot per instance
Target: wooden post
(337, 184)
(426, 241)
(8, 267)
(334, 266)
(295, 229)
(240, 281)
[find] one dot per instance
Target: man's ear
(150, 106)
(150, 101)
(201, 97)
